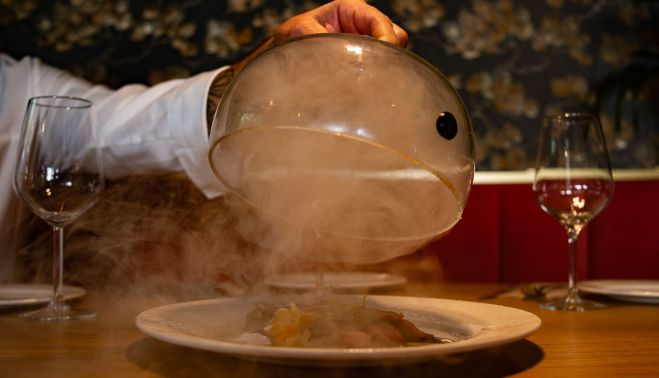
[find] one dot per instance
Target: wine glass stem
(58, 302)
(572, 235)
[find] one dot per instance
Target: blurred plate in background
(644, 291)
(336, 280)
(28, 294)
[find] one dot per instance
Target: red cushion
(625, 236)
(470, 251)
(505, 236)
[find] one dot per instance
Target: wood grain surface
(620, 340)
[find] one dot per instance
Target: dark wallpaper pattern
(512, 61)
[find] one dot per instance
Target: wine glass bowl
(59, 175)
(576, 203)
(573, 183)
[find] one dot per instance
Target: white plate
(12, 295)
(218, 325)
(644, 291)
(336, 280)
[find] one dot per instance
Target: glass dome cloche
(350, 149)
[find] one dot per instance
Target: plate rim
(69, 291)
(599, 286)
(345, 355)
(392, 280)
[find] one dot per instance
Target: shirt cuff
(193, 128)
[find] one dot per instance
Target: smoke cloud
(333, 142)
(331, 150)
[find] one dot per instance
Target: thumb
(382, 29)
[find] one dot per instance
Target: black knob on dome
(446, 125)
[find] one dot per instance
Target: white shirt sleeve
(142, 129)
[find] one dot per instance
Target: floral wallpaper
(512, 61)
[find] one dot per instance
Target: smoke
(149, 234)
(333, 142)
(333, 199)
(331, 149)
(158, 235)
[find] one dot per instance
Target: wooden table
(621, 340)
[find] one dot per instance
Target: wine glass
(59, 175)
(573, 183)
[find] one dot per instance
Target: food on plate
(334, 325)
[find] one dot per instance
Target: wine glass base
(572, 304)
(52, 313)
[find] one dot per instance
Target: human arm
(165, 128)
(142, 129)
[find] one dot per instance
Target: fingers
(343, 16)
(381, 29)
(401, 36)
(391, 33)
(298, 26)
(356, 16)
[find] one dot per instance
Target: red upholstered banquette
(504, 236)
